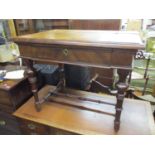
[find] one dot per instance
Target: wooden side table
(102, 49)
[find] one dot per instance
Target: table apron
(102, 58)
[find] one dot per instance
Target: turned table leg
(62, 75)
(33, 81)
(121, 87)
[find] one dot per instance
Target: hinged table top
(96, 38)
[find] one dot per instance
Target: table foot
(116, 126)
(38, 107)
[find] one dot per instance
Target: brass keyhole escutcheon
(31, 126)
(2, 123)
(65, 52)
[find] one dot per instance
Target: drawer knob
(65, 51)
(31, 126)
(2, 123)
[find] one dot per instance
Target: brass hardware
(31, 126)
(2, 123)
(65, 51)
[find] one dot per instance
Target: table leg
(33, 81)
(121, 87)
(62, 75)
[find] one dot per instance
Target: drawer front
(122, 57)
(32, 128)
(55, 131)
(7, 132)
(4, 97)
(8, 123)
(68, 55)
(7, 108)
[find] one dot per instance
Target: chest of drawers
(13, 93)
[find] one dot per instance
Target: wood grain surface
(100, 38)
(136, 118)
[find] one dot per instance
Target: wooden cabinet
(95, 24)
(56, 24)
(24, 26)
(28, 26)
(13, 93)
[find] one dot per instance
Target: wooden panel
(48, 24)
(84, 38)
(4, 97)
(32, 128)
(8, 122)
(20, 93)
(24, 26)
(106, 24)
(103, 57)
(136, 115)
(74, 55)
(121, 59)
(7, 132)
(59, 23)
(7, 108)
(16, 92)
(55, 131)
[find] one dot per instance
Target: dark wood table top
(92, 38)
(136, 117)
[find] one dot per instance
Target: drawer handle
(31, 126)
(2, 123)
(65, 52)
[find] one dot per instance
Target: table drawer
(9, 123)
(68, 55)
(122, 58)
(32, 128)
